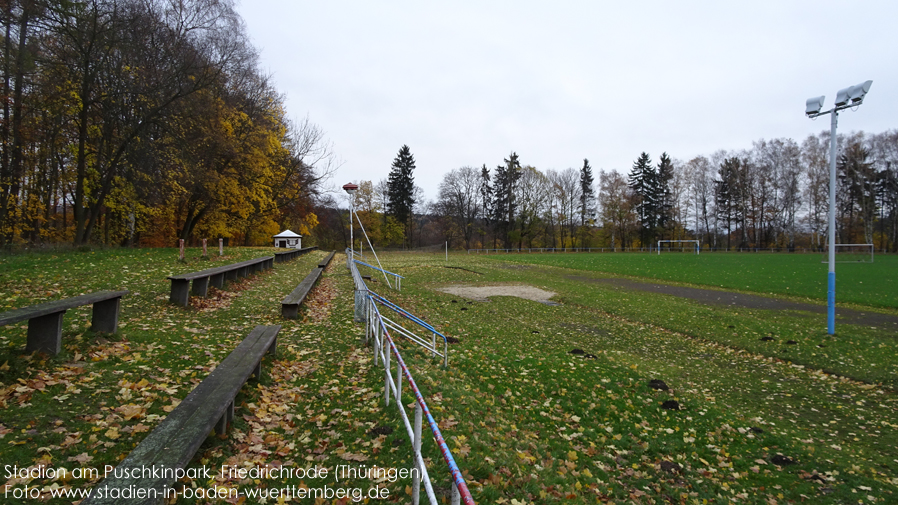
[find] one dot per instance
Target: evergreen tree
(664, 199)
(727, 194)
(587, 194)
(858, 179)
(643, 181)
(486, 201)
(401, 190)
(504, 183)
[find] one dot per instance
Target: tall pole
(852, 96)
(351, 243)
(350, 189)
(831, 279)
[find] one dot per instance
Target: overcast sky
(466, 83)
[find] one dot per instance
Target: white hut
(288, 239)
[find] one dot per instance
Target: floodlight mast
(852, 96)
(350, 189)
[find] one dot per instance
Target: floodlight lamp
(350, 188)
(843, 96)
(858, 91)
(814, 105)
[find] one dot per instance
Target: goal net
(691, 246)
(851, 253)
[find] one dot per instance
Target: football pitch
(794, 275)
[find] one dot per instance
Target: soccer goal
(695, 247)
(851, 253)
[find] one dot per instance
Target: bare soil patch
(483, 293)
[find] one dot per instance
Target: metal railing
(429, 345)
(398, 278)
(377, 332)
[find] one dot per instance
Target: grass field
(527, 421)
(795, 275)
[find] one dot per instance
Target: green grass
(527, 421)
(833, 424)
(795, 275)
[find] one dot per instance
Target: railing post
(367, 320)
(433, 347)
(377, 331)
(399, 384)
(416, 450)
(387, 377)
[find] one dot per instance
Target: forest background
(141, 122)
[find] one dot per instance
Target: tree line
(143, 121)
(771, 196)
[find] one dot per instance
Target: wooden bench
(284, 256)
(180, 284)
(290, 304)
(326, 261)
(174, 442)
(45, 319)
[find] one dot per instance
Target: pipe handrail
(360, 262)
(460, 486)
(399, 310)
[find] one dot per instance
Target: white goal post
(697, 243)
(852, 253)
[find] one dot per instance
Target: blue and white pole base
(831, 305)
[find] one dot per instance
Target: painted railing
(429, 345)
(377, 333)
(396, 277)
(384, 347)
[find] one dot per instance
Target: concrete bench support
(45, 319)
(216, 277)
(175, 441)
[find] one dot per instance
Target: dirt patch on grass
(740, 300)
(483, 293)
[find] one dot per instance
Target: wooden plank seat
(326, 261)
(171, 446)
(284, 256)
(45, 319)
(290, 304)
(180, 284)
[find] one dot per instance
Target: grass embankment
(527, 421)
(91, 404)
(830, 424)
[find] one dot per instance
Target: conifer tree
(504, 184)
(587, 193)
(664, 199)
(643, 182)
(401, 190)
(486, 200)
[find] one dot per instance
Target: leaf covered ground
(527, 421)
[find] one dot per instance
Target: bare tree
(459, 200)
(532, 189)
(616, 208)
